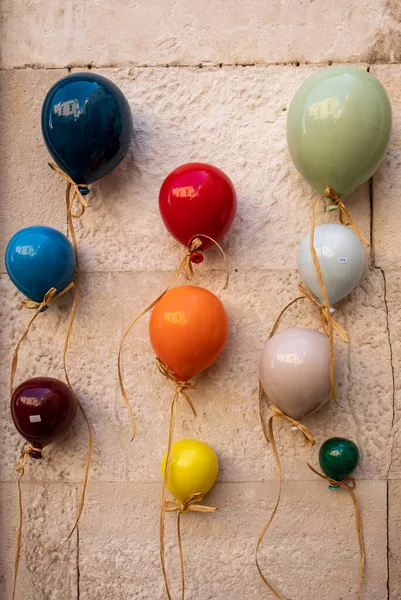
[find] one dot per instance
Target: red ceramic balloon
(197, 198)
(42, 409)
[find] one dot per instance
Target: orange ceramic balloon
(188, 329)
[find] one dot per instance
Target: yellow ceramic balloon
(193, 468)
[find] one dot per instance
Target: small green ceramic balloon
(338, 457)
(338, 128)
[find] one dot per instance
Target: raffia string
(269, 437)
(344, 219)
(49, 297)
(190, 505)
(72, 195)
(344, 215)
(185, 265)
(349, 484)
(181, 388)
(74, 192)
(328, 325)
(20, 470)
(307, 295)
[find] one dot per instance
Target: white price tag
(35, 418)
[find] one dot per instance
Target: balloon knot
(196, 258)
(83, 188)
(35, 453)
(331, 194)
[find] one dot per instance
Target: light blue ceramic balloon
(39, 258)
(341, 257)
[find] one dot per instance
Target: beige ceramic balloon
(294, 371)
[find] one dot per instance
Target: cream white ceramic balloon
(294, 371)
(341, 257)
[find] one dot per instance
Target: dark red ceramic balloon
(42, 409)
(197, 198)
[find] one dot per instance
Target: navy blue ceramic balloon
(87, 125)
(39, 258)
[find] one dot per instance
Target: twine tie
(185, 266)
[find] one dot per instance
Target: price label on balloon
(198, 204)
(338, 130)
(87, 127)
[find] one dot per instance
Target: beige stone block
(29, 194)
(232, 117)
(394, 535)
(48, 513)
(393, 290)
(311, 546)
(226, 398)
(387, 180)
(183, 32)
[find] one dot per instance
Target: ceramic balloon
(197, 198)
(86, 125)
(193, 469)
(338, 458)
(341, 257)
(39, 258)
(42, 409)
(294, 371)
(188, 330)
(338, 128)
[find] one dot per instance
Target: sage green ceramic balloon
(338, 128)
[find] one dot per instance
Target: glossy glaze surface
(294, 371)
(341, 257)
(42, 409)
(338, 458)
(193, 468)
(188, 330)
(197, 198)
(39, 258)
(86, 125)
(338, 128)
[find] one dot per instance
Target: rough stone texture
(183, 32)
(226, 396)
(233, 117)
(394, 539)
(393, 288)
(229, 117)
(296, 555)
(49, 512)
(387, 181)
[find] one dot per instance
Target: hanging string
(49, 297)
(20, 470)
(344, 219)
(329, 325)
(344, 215)
(73, 194)
(186, 266)
(190, 505)
(181, 388)
(270, 439)
(307, 295)
(349, 484)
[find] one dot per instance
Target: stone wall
(206, 81)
